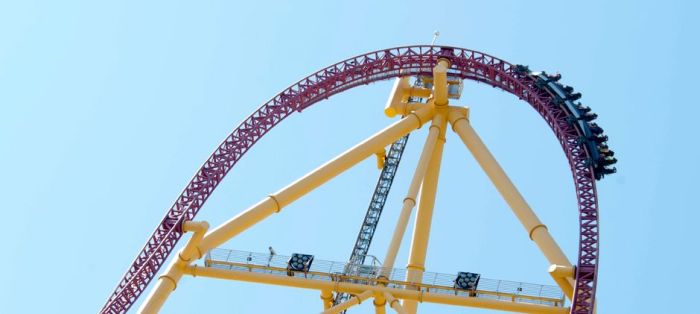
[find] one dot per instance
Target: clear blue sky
(108, 108)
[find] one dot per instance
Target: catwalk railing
(494, 289)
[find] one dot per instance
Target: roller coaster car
(609, 170)
(555, 77)
(599, 138)
(579, 116)
(607, 161)
(573, 96)
(299, 262)
(600, 172)
(467, 281)
(595, 129)
(589, 116)
(544, 77)
(582, 108)
(522, 69)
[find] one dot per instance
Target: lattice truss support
(422, 191)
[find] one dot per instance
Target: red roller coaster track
(361, 70)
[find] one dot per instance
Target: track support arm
(167, 282)
(200, 243)
(275, 202)
(327, 297)
(538, 233)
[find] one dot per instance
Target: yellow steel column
(327, 297)
(168, 281)
(379, 303)
(559, 274)
(356, 299)
(440, 82)
(394, 303)
(424, 216)
(426, 204)
(410, 201)
(274, 203)
(537, 231)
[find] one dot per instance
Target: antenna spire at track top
(436, 34)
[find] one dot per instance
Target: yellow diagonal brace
(537, 231)
(274, 203)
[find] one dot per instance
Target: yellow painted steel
(396, 102)
(394, 303)
(424, 180)
(327, 297)
(355, 300)
(537, 231)
(560, 274)
(410, 201)
(381, 158)
(440, 82)
(381, 281)
(167, 282)
(419, 92)
(379, 303)
(354, 288)
(274, 203)
(424, 214)
(428, 191)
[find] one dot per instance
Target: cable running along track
(361, 70)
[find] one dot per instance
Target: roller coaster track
(362, 70)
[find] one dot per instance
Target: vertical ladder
(376, 204)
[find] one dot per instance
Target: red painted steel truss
(361, 70)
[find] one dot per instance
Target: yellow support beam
(560, 274)
(327, 297)
(394, 303)
(396, 104)
(353, 288)
(275, 202)
(354, 300)
(424, 214)
(536, 230)
(410, 201)
(379, 303)
(440, 82)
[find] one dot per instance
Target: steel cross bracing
(361, 70)
(376, 205)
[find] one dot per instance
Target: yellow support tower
(381, 284)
